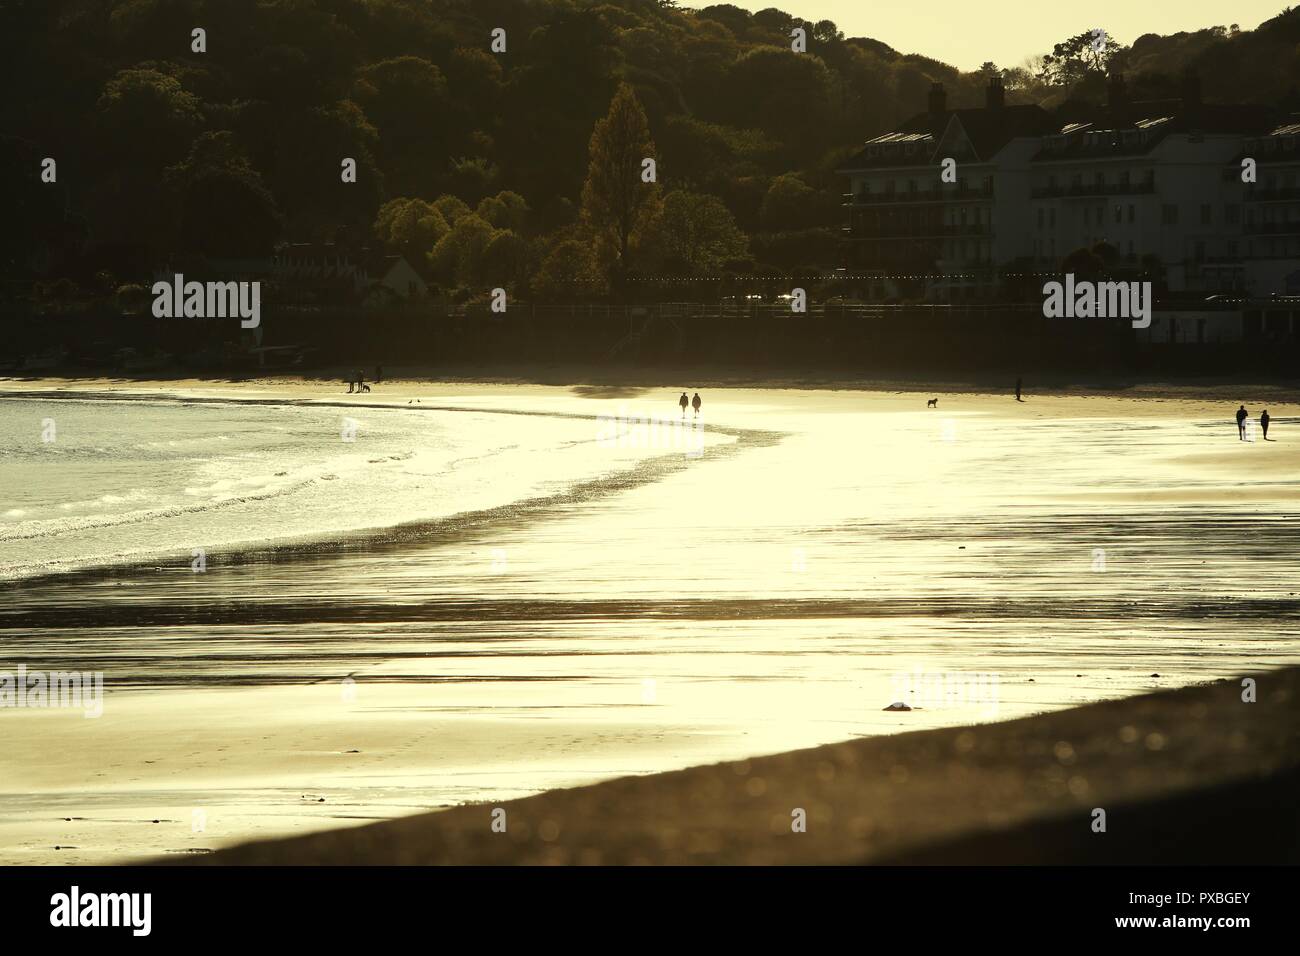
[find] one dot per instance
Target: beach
(1193, 776)
(496, 590)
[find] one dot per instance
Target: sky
(965, 33)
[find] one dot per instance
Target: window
(1119, 214)
(1040, 217)
(1168, 215)
(1051, 220)
(1232, 214)
(1205, 214)
(1132, 213)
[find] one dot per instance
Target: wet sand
(1194, 776)
(834, 552)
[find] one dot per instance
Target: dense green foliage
(483, 166)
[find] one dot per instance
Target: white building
(1153, 181)
(328, 272)
(1146, 178)
(1270, 244)
(909, 230)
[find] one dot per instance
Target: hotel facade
(1159, 182)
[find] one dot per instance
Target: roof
(914, 143)
(1134, 129)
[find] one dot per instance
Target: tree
(790, 203)
(504, 260)
(616, 204)
(144, 123)
(458, 256)
(786, 95)
(146, 106)
(411, 226)
(505, 210)
(697, 235)
(1083, 263)
(408, 101)
(825, 31)
(33, 213)
(1074, 59)
(570, 271)
(223, 207)
(308, 188)
(472, 177)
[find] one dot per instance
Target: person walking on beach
(695, 403)
(1019, 382)
(683, 401)
(1263, 423)
(379, 374)
(351, 384)
(1241, 423)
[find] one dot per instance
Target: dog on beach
(932, 403)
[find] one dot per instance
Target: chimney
(995, 97)
(1116, 91)
(938, 98)
(1191, 89)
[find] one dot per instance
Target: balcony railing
(892, 231)
(1253, 193)
(1272, 228)
(959, 194)
(1095, 189)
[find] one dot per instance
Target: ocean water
(482, 601)
(87, 482)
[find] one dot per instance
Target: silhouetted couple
(359, 382)
(694, 403)
(1242, 415)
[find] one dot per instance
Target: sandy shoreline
(1193, 776)
(647, 625)
(614, 382)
